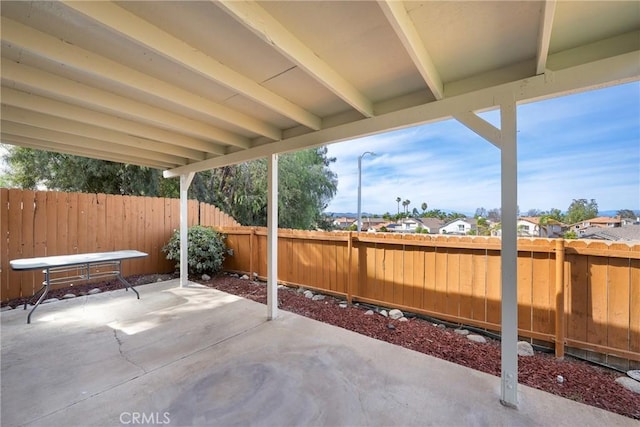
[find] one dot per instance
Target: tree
(480, 213)
(424, 207)
(406, 204)
(555, 214)
(306, 183)
(626, 213)
(398, 200)
(534, 212)
(494, 215)
(580, 210)
(415, 212)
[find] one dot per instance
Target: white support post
(272, 238)
(509, 194)
(185, 182)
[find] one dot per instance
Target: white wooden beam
(509, 252)
(42, 83)
(121, 21)
(71, 56)
(607, 72)
(544, 34)
(58, 137)
(83, 151)
(480, 126)
(41, 104)
(260, 22)
(272, 238)
(405, 29)
(116, 139)
(185, 182)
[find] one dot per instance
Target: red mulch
(583, 382)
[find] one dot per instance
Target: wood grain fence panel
(386, 272)
(634, 302)
(368, 282)
(329, 250)
(494, 290)
(15, 243)
(453, 282)
(618, 298)
(479, 295)
(524, 290)
(465, 306)
(596, 323)
(410, 294)
(5, 288)
(91, 233)
(28, 217)
(341, 257)
(83, 223)
(440, 291)
(40, 225)
(542, 306)
(430, 279)
(62, 227)
(578, 296)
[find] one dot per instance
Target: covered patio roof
(190, 86)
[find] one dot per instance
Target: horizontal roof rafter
(54, 49)
(40, 82)
(265, 26)
(121, 21)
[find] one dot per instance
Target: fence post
(349, 264)
(251, 246)
(560, 299)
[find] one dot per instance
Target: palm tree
(398, 199)
(406, 204)
(424, 207)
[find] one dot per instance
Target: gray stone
(255, 275)
(635, 374)
(525, 349)
(395, 314)
(462, 332)
(245, 277)
(560, 379)
(282, 287)
(477, 338)
(159, 280)
(391, 326)
(343, 305)
(441, 326)
(308, 294)
(48, 300)
(384, 313)
(6, 308)
(94, 291)
(68, 296)
(318, 297)
(301, 290)
(629, 384)
(368, 313)
(206, 277)
(403, 319)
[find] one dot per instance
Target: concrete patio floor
(197, 356)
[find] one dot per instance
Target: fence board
(524, 290)
(4, 241)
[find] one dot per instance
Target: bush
(206, 250)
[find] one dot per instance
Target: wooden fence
(582, 294)
(44, 223)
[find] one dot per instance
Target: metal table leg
(45, 285)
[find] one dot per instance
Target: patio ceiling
(188, 86)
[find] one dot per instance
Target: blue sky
(583, 146)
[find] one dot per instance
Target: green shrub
(206, 250)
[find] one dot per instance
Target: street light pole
(360, 187)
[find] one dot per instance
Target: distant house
(413, 225)
(372, 224)
(601, 221)
(460, 226)
(615, 234)
(343, 222)
(529, 226)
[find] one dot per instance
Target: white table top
(75, 259)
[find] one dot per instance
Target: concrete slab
(197, 356)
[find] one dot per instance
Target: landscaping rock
(403, 319)
(629, 384)
(68, 296)
(343, 305)
(94, 291)
(301, 290)
(560, 379)
(308, 294)
(462, 332)
(391, 326)
(477, 338)
(525, 349)
(318, 297)
(48, 300)
(368, 313)
(245, 277)
(159, 279)
(206, 277)
(441, 326)
(635, 374)
(282, 287)
(384, 313)
(395, 314)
